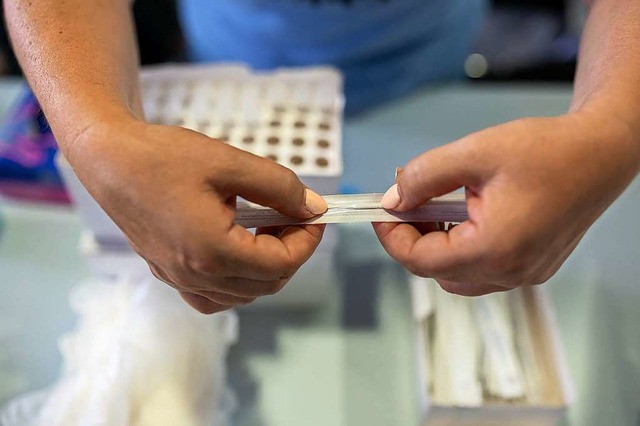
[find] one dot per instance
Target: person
(534, 186)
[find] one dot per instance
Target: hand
(173, 192)
(533, 187)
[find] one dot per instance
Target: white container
(558, 388)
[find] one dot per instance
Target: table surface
(348, 363)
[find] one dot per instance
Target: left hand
(534, 187)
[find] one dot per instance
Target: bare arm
(80, 58)
(608, 76)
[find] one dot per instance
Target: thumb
(269, 184)
(437, 172)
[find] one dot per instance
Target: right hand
(172, 192)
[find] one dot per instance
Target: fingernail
(399, 171)
(314, 203)
(391, 198)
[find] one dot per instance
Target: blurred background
(521, 40)
(361, 342)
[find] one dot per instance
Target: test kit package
(495, 359)
(291, 116)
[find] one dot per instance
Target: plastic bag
(138, 357)
(27, 151)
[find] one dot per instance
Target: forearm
(608, 76)
(80, 58)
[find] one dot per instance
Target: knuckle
(538, 280)
(506, 260)
(411, 174)
(201, 263)
(246, 301)
(293, 190)
(517, 269)
(288, 268)
(291, 181)
(274, 288)
(412, 171)
(541, 277)
(416, 267)
(449, 286)
(159, 274)
(211, 309)
(206, 306)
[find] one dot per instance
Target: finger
(426, 227)
(226, 299)
(160, 275)
(438, 172)
(202, 304)
(236, 286)
(471, 290)
(270, 184)
(267, 258)
(451, 255)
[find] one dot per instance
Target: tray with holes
(291, 116)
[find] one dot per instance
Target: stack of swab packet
(488, 360)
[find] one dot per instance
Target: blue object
(349, 189)
(384, 48)
(27, 152)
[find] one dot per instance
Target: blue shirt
(385, 48)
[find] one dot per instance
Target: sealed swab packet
(358, 208)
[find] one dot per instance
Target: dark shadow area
(258, 335)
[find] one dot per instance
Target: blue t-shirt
(385, 48)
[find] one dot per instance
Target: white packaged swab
(358, 208)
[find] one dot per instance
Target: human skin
(534, 186)
(171, 191)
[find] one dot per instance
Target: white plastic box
(558, 388)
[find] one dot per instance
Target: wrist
(614, 125)
(94, 131)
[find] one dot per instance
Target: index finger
(267, 257)
(445, 255)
